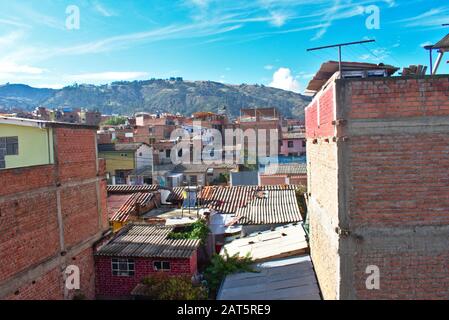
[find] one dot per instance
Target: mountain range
(156, 95)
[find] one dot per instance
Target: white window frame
(129, 271)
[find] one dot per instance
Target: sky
(54, 43)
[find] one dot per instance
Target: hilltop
(155, 95)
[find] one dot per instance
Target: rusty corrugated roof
(135, 200)
(151, 241)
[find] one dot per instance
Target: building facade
(52, 210)
(377, 154)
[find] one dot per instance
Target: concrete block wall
(50, 217)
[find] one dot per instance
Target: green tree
(196, 230)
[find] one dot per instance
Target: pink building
(293, 144)
(121, 264)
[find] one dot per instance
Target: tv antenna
(339, 46)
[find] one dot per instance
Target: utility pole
(339, 46)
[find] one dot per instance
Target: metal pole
(431, 61)
(339, 61)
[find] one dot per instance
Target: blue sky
(258, 41)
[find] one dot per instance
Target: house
(256, 208)
(140, 250)
(203, 174)
(293, 144)
(52, 208)
(284, 173)
(127, 203)
(377, 169)
(122, 159)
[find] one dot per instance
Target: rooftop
(124, 188)
(329, 68)
(283, 241)
(287, 168)
(42, 123)
(149, 241)
(132, 205)
(119, 146)
(284, 279)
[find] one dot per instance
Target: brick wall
(34, 247)
(110, 286)
(381, 197)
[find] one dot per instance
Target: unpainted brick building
(378, 183)
(51, 214)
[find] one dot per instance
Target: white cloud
(107, 76)
(427, 43)
(9, 67)
(268, 67)
(278, 19)
(283, 79)
(105, 12)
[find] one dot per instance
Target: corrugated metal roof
(123, 188)
(287, 168)
(281, 242)
(254, 204)
(143, 240)
(277, 206)
(176, 195)
(284, 279)
(135, 200)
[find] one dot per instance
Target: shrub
(221, 266)
(162, 286)
(196, 230)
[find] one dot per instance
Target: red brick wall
(29, 229)
(394, 170)
(76, 153)
(320, 114)
(108, 285)
(399, 180)
(268, 180)
(28, 232)
(393, 98)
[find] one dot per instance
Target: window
(193, 180)
(123, 267)
(11, 144)
(161, 266)
(290, 144)
(304, 143)
(167, 153)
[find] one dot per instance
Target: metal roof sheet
(282, 241)
(287, 168)
(138, 199)
(283, 279)
(144, 240)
